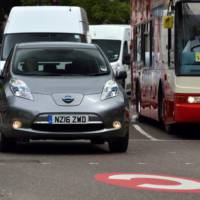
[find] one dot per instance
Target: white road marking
(188, 163)
(93, 163)
(134, 118)
(159, 140)
(45, 163)
(172, 152)
(143, 132)
(183, 183)
(141, 163)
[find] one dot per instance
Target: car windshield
(11, 39)
(110, 47)
(188, 39)
(59, 62)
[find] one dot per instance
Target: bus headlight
(192, 99)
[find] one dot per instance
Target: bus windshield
(110, 47)
(188, 38)
(11, 39)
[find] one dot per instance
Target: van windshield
(110, 47)
(11, 39)
(59, 62)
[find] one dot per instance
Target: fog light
(17, 124)
(117, 125)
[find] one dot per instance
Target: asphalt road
(66, 170)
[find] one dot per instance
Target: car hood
(58, 85)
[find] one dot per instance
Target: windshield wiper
(99, 74)
(41, 74)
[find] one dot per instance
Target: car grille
(67, 127)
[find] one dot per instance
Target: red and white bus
(166, 60)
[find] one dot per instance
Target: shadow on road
(61, 147)
(182, 131)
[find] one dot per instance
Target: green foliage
(35, 2)
(98, 11)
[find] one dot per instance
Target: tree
(35, 2)
(8, 4)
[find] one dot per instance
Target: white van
(114, 40)
(43, 23)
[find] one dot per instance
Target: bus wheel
(170, 128)
(161, 107)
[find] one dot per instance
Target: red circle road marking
(153, 182)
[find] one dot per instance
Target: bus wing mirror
(168, 22)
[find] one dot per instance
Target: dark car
(60, 90)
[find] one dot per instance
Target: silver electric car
(61, 90)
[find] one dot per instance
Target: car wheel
(7, 144)
(119, 145)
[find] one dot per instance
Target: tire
(119, 145)
(160, 106)
(7, 144)
(169, 128)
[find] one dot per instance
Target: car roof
(55, 45)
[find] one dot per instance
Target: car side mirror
(127, 59)
(120, 75)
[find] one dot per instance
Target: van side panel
(52, 19)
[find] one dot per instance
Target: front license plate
(67, 119)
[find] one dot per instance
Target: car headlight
(20, 89)
(110, 90)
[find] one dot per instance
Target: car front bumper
(30, 113)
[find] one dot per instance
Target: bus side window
(148, 44)
(151, 43)
(138, 46)
(143, 48)
(135, 45)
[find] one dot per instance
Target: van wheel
(119, 145)
(7, 144)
